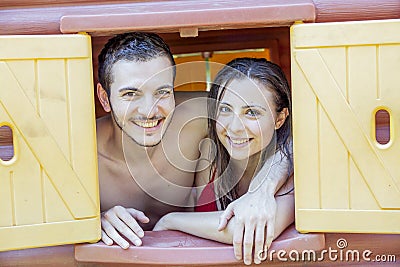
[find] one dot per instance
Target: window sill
(177, 248)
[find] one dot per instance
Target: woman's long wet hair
(272, 77)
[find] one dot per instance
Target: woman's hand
(119, 221)
(162, 224)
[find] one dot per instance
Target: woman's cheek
(220, 132)
(263, 130)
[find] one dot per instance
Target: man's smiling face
(142, 99)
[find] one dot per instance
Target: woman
(249, 120)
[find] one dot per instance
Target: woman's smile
(239, 142)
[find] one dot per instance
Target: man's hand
(256, 210)
(118, 222)
(253, 212)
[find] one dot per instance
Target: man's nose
(148, 106)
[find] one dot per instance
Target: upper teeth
(239, 141)
(147, 124)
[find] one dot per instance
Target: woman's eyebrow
(225, 104)
(252, 106)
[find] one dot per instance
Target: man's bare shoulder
(183, 96)
(190, 118)
(191, 106)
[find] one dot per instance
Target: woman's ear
(103, 98)
(281, 118)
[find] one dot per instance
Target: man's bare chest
(141, 184)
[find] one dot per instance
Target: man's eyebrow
(128, 89)
(166, 86)
(257, 106)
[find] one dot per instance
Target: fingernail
(125, 246)
(141, 234)
(138, 243)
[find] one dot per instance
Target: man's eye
(253, 112)
(164, 92)
(129, 94)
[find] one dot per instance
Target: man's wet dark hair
(131, 46)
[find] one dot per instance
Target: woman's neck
(247, 168)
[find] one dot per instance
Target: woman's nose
(236, 124)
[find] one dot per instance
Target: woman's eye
(224, 109)
(253, 112)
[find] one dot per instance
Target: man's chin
(150, 144)
(150, 139)
(146, 142)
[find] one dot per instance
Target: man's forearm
(272, 175)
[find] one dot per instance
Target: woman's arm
(202, 224)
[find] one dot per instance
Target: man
(148, 150)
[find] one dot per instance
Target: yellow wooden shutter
(49, 189)
(342, 74)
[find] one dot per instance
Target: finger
(120, 222)
(113, 234)
(248, 243)
(225, 217)
(259, 243)
(270, 236)
(139, 215)
(238, 240)
(106, 240)
(130, 226)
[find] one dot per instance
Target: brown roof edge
(356, 10)
(193, 15)
(43, 16)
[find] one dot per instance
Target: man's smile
(148, 124)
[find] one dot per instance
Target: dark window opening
(6, 143)
(382, 126)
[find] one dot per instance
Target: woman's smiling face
(246, 118)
